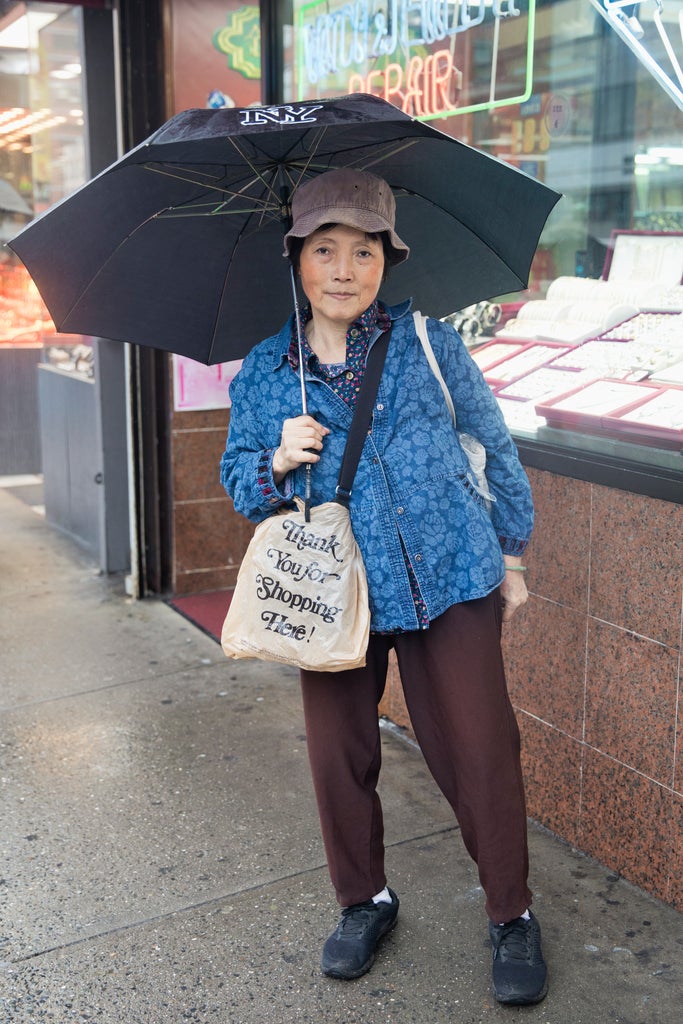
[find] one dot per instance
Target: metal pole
(302, 381)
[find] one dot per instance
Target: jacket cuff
(271, 494)
(512, 545)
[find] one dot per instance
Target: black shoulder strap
(362, 418)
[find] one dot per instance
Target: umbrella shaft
(302, 380)
(299, 339)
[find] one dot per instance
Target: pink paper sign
(196, 386)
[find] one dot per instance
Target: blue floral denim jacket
(413, 490)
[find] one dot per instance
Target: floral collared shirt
(345, 378)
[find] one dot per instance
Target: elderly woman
(444, 572)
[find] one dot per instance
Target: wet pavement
(161, 861)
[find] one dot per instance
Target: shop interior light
(17, 35)
(18, 123)
(18, 119)
(646, 159)
(67, 71)
(669, 154)
(658, 158)
(12, 113)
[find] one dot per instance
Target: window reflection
(42, 149)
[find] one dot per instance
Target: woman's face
(341, 271)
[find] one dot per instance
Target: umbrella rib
(266, 184)
(260, 203)
(316, 142)
(397, 147)
(264, 205)
(283, 163)
(219, 306)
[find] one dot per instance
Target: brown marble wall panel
(196, 459)
(210, 538)
(637, 564)
(559, 552)
(216, 419)
(626, 822)
(545, 659)
(202, 582)
(631, 690)
(209, 535)
(551, 762)
(675, 895)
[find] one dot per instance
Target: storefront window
(587, 96)
(42, 159)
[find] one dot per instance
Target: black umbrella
(178, 245)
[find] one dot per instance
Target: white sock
(382, 897)
(526, 916)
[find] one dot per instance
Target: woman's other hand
(513, 588)
(301, 440)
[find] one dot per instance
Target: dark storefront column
(144, 109)
(272, 51)
(109, 356)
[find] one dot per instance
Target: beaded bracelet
(515, 568)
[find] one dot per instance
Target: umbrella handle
(302, 381)
(307, 493)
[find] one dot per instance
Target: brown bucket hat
(347, 196)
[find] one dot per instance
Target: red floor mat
(206, 610)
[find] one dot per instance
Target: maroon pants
(454, 684)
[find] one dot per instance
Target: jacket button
(418, 558)
(399, 510)
(380, 407)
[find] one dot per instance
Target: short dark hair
(296, 245)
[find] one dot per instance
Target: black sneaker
(350, 950)
(520, 976)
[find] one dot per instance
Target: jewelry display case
(599, 362)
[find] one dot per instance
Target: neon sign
(427, 87)
(432, 58)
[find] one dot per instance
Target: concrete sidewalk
(161, 857)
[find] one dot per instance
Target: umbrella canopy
(178, 245)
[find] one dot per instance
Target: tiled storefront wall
(209, 538)
(594, 670)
